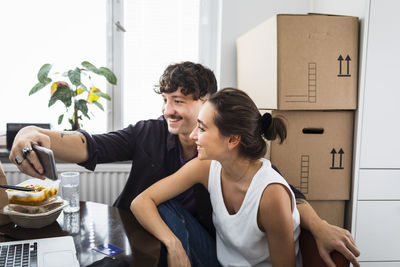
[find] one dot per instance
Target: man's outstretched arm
(327, 236)
(67, 146)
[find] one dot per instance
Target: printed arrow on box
(333, 152)
(347, 59)
(341, 152)
(340, 58)
(348, 63)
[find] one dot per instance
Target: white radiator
(103, 185)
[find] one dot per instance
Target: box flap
(259, 70)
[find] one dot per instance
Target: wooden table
(94, 225)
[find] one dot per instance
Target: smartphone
(46, 158)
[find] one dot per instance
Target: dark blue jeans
(198, 244)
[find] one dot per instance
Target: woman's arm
(275, 218)
(144, 206)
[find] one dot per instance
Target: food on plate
(33, 198)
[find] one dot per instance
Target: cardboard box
(316, 157)
(330, 210)
(300, 62)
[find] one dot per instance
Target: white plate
(38, 220)
(48, 207)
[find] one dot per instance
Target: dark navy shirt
(155, 154)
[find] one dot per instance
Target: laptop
(43, 252)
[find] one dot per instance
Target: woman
(254, 210)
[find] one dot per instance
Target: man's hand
(330, 237)
(28, 163)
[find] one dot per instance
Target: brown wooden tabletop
(94, 225)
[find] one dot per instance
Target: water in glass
(70, 190)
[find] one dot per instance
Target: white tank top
(240, 242)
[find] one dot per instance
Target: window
(158, 33)
(66, 32)
(63, 33)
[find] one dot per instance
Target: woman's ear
(234, 141)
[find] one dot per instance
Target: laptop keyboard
(21, 255)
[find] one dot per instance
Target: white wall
(239, 16)
(340, 7)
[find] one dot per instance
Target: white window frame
(115, 61)
(210, 35)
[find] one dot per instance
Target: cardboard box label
(338, 163)
(341, 72)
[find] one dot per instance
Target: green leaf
(60, 119)
(64, 94)
(36, 88)
(53, 99)
(82, 106)
(100, 106)
(90, 67)
(101, 94)
(43, 72)
(75, 76)
(108, 74)
(67, 102)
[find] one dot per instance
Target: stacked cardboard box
(304, 69)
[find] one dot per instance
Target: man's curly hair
(193, 78)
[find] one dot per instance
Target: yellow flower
(79, 91)
(53, 88)
(92, 97)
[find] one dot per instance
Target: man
(158, 148)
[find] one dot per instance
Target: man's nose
(168, 109)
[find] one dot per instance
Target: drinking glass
(70, 190)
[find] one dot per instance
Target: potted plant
(75, 92)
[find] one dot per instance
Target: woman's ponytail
(271, 127)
